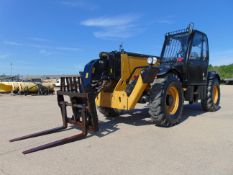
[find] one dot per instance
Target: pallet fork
(84, 114)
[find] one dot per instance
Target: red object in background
(180, 59)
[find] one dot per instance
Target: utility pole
(121, 48)
(11, 68)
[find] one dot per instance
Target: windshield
(176, 47)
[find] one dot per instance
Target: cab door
(198, 60)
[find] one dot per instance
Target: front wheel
(166, 101)
(211, 102)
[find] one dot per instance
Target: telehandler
(118, 80)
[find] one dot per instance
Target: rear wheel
(166, 101)
(108, 112)
(212, 99)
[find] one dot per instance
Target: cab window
(196, 51)
(205, 49)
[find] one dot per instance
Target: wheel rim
(172, 100)
(215, 94)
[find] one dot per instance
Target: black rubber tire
(208, 103)
(157, 103)
(108, 112)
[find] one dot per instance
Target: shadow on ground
(139, 117)
(136, 117)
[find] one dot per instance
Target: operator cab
(188, 52)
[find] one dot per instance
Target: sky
(61, 36)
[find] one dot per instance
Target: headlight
(151, 60)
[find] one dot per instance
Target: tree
(225, 71)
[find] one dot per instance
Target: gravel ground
(201, 145)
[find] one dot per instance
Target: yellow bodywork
(118, 98)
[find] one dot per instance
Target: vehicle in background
(58, 83)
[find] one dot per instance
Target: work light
(151, 60)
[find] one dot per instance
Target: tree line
(225, 71)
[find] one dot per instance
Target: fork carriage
(84, 113)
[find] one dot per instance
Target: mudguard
(212, 74)
(163, 69)
(167, 68)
